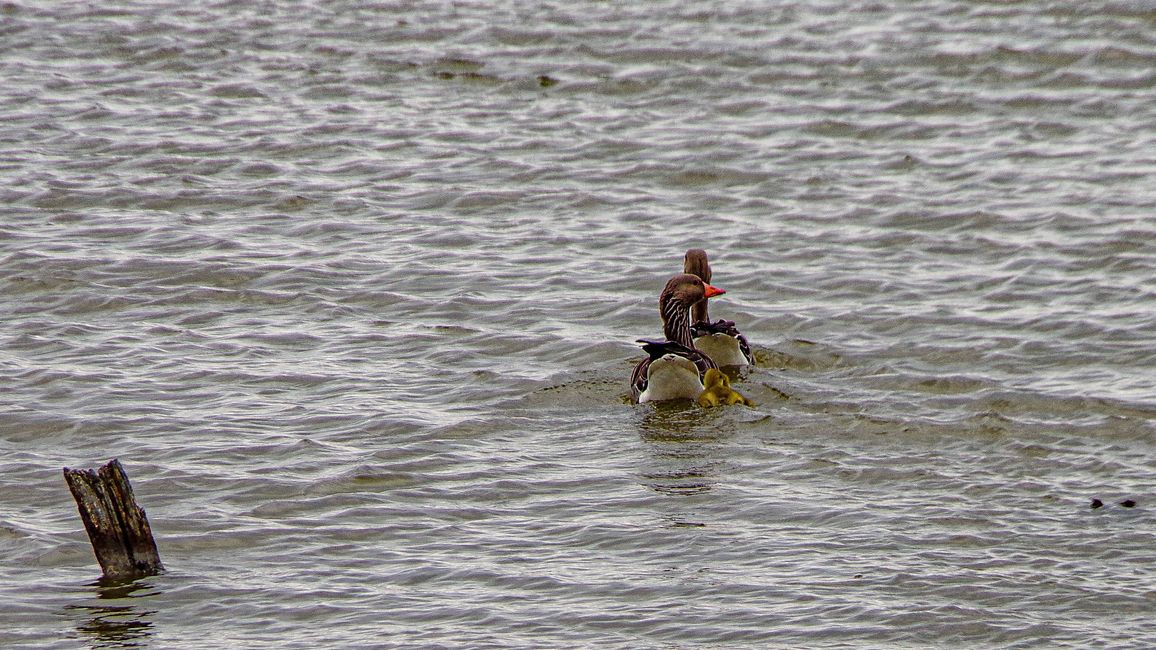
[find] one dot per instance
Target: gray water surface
(352, 289)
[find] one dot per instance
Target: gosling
(719, 392)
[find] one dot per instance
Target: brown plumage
(680, 294)
(720, 332)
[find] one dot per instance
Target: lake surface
(352, 289)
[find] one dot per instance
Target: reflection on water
(119, 625)
(676, 421)
(683, 442)
(691, 480)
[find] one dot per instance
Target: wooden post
(117, 526)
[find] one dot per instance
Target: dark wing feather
(703, 328)
(639, 378)
(720, 326)
(658, 349)
(745, 348)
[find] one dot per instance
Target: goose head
(681, 293)
(716, 378)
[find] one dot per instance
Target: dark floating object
(1126, 503)
(546, 81)
(116, 525)
(447, 75)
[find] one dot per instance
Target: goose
(718, 391)
(720, 340)
(673, 368)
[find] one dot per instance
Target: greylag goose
(720, 340)
(673, 368)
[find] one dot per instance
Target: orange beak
(712, 291)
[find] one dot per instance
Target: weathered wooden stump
(117, 526)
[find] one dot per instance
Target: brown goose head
(682, 292)
(695, 263)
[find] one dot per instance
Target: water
(351, 290)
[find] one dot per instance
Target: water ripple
(353, 291)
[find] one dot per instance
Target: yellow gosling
(719, 392)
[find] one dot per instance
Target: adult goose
(673, 368)
(720, 340)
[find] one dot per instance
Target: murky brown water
(351, 290)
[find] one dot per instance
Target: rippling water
(351, 289)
